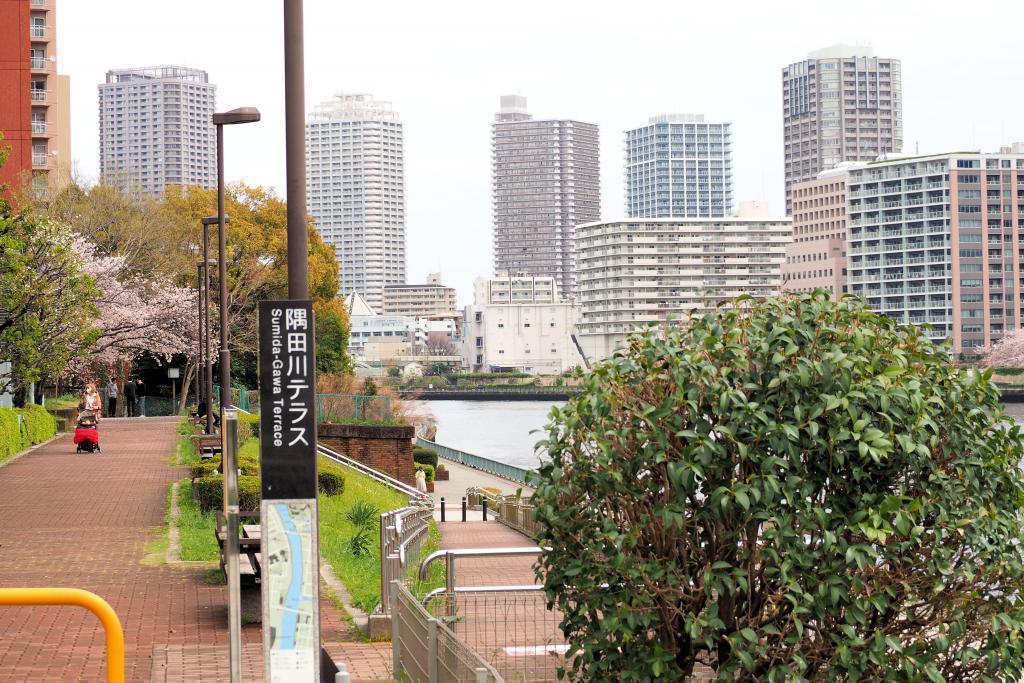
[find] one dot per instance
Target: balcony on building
(40, 161)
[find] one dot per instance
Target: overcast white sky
(444, 64)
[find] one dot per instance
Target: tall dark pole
(208, 372)
(222, 236)
(201, 363)
(295, 149)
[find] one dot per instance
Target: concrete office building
(816, 258)
(635, 272)
(420, 301)
(35, 108)
(355, 190)
(937, 239)
(546, 181)
(842, 103)
(156, 129)
(531, 331)
(366, 325)
(679, 166)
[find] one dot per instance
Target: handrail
(456, 553)
(401, 487)
(498, 469)
(76, 597)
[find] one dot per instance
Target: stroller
(87, 436)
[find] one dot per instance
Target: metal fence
(498, 469)
(425, 650)
(402, 533)
(513, 511)
(347, 407)
(510, 627)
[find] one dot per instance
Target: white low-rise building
(635, 272)
(533, 335)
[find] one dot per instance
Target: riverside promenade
(96, 522)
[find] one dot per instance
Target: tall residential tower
(679, 166)
(355, 188)
(545, 182)
(842, 103)
(34, 111)
(156, 129)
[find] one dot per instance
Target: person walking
(111, 398)
(91, 399)
(129, 397)
(140, 398)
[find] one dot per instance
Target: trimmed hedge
(330, 483)
(24, 427)
(424, 456)
(209, 492)
(248, 425)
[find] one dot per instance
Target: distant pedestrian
(129, 397)
(111, 398)
(140, 398)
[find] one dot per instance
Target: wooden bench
(208, 446)
(248, 546)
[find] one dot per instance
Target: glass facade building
(679, 166)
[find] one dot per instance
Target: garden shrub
(209, 492)
(792, 490)
(428, 471)
(330, 482)
(424, 456)
(41, 424)
(204, 469)
(249, 424)
(13, 434)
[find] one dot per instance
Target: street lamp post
(201, 362)
(229, 414)
(233, 117)
(208, 387)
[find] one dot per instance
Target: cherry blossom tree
(1007, 352)
(137, 314)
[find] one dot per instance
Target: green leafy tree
(48, 300)
(795, 490)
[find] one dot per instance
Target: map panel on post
(291, 628)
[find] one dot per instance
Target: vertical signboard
(288, 512)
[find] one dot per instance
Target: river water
(501, 430)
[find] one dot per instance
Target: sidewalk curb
(359, 617)
(173, 535)
(19, 456)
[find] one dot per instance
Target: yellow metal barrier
(77, 598)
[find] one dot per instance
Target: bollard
(342, 676)
(485, 508)
(442, 508)
(463, 508)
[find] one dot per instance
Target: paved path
(85, 521)
(462, 478)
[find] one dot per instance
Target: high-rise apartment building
(816, 258)
(679, 166)
(431, 299)
(639, 271)
(842, 103)
(156, 129)
(355, 190)
(545, 182)
(34, 111)
(938, 239)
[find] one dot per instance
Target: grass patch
(195, 530)
(63, 402)
(156, 549)
(215, 577)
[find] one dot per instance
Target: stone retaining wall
(384, 448)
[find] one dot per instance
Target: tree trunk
(190, 368)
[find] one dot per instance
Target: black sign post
(288, 511)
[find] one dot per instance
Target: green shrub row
(34, 426)
(207, 483)
(424, 456)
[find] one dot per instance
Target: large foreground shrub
(786, 491)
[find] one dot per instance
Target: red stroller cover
(86, 434)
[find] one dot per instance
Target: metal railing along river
(513, 511)
(498, 469)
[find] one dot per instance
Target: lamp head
(240, 115)
(215, 220)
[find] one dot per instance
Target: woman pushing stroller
(87, 436)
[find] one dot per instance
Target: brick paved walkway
(84, 521)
